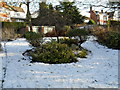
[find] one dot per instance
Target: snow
(99, 70)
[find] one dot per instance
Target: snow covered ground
(99, 70)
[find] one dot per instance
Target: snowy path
(99, 70)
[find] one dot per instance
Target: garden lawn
(99, 70)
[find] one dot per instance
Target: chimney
(101, 11)
(90, 8)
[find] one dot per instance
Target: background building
(11, 13)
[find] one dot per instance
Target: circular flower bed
(53, 53)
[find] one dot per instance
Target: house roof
(3, 15)
(17, 9)
(11, 8)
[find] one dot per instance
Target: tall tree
(28, 15)
(50, 17)
(70, 12)
(64, 14)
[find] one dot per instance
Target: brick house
(93, 15)
(99, 17)
(103, 18)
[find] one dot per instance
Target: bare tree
(28, 16)
(0, 34)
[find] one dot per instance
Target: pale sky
(35, 6)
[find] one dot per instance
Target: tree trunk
(0, 34)
(56, 30)
(28, 16)
(57, 36)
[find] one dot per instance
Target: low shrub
(9, 29)
(81, 33)
(108, 37)
(35, 39)
(69, 41)
(62, 32)
(82, 53)
(111, 40)
(91, 22)
(8, 33)
(114, 23)
(53, 53)
(51, 34)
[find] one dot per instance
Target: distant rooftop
(114, 0)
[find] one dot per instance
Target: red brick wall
(93, 16)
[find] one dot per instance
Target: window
(18, 14)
